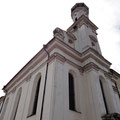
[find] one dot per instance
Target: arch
(71, 90)
(4, 109)
(102, 79)
(73, 73)
(34, 95)
(16, 104)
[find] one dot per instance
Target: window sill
(75, 111)
(31, 115)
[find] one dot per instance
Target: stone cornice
(89, 53)
(97, 54)
(82, 56)
(71, 35)
(89, 66)
(61, 58)
(66, 49)
(83, 20)
(114, 73)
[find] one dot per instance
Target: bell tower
(83, 29)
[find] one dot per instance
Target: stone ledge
(112, 116)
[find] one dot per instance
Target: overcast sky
(25, 25)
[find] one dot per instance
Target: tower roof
(79, 5)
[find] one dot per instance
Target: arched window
(4, 109)
(103, 95)
(16, 104)
(71, 92)
(34, 96)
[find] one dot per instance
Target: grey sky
(26, 25)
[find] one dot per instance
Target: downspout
(44, 90)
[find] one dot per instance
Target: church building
(68, 79)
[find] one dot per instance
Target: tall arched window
(103, 95)
(16, 104)
(34, 96)
(71, 92)
(4, 109)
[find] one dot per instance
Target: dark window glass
(103, 94)
(17, 101)
(71, 93)
(75, 19)
(36, 97)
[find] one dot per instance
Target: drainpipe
(44, 90)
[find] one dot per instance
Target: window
(71, 92)
(103, 95)
(34, 96)
(4, 109)
(16, 104)
(93, 41)
(93, 44)
(76, 19)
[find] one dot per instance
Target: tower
(68, 79)
(83, 28)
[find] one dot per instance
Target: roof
(79, 5)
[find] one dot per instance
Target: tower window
(75, 27)
(76, 19)
(71, 92)
(93, 41)
(93, 44)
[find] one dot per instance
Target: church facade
(68, 79)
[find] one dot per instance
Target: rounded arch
(103, 87)
(102, 79)
(34, 95)
(37, 77)
(71, 76)
(20, 90)
(72, 73)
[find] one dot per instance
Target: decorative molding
(111, 116)
(53, 44)
(28, 77)
(13, 90)
(89, 66)
(97, 54)
(71, 35)
(115, 89)
(58, 33)
(96, 59)
(83, 20)
(92, 38)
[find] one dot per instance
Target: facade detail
(68, 79)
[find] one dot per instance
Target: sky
(26, 25)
